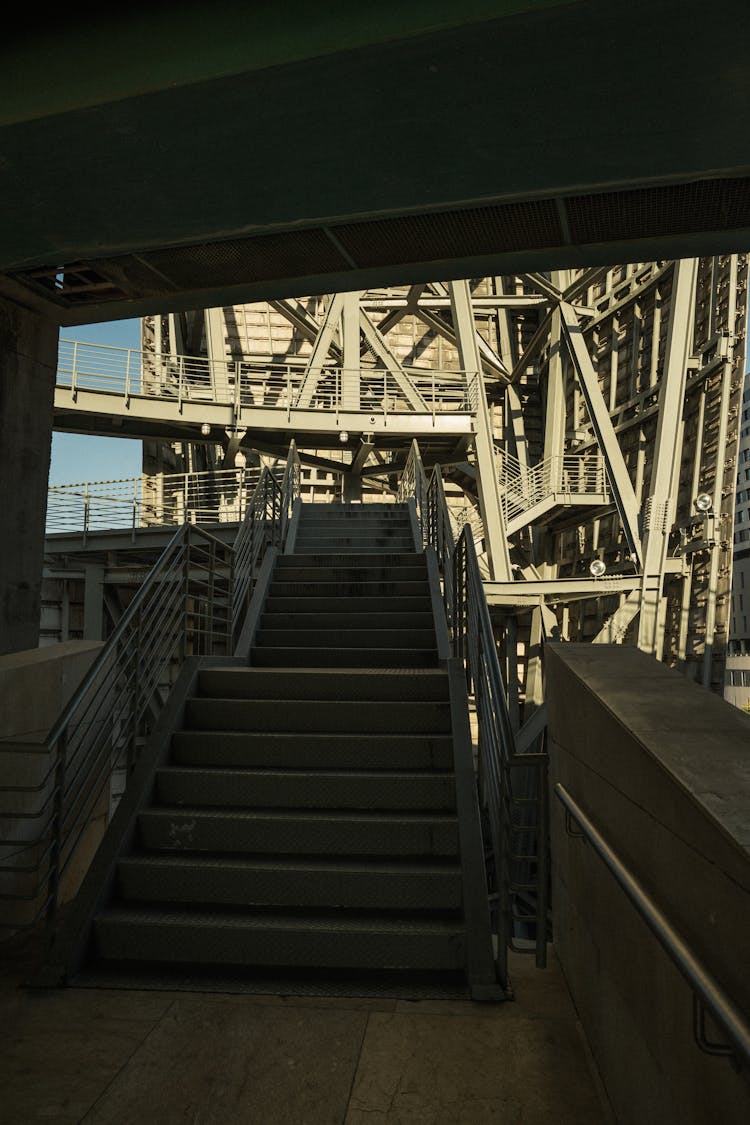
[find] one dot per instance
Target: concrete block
(662, 768)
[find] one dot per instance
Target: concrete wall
(662, 768)
(35, 685)
(28, 361)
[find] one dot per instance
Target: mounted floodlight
(343, 436)
(205, 429)
(704, 503)
(597, 568)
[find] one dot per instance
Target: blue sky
(80, 458)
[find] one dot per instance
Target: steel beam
(496, 539)
(390, 361)
(661, 503)
(554, 420)
(622, 487)
(350, 382)
(321, 348)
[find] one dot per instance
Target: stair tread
(360, 816)
(309, 920)
(338, 864)
(403, 776)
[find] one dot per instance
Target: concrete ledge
(662, 768)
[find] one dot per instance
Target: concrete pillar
(28, 361)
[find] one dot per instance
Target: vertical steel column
(661, 503)
(554, 421)
(487, 476)
(350, 390)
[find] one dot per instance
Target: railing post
(74, 374)
(186, 599)
(127, 378)
(85, 513)
(53, 887)
(137, 664)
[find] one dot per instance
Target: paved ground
(110, 1057)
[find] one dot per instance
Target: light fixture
(343, 436)
(205, 429)
(703, 502)
(598, 568)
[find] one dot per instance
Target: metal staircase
(307, 816)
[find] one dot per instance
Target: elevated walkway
(557, 490)
(121, 391)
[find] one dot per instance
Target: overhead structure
(586, 422)
(376, 144)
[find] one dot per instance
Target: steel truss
(611, 402)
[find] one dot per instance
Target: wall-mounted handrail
(709, 994)
(512, 787)
(191, 604)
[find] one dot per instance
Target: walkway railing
(127, 373)
(191, 604)
(216, 496)
(521, 488)
(512, 787)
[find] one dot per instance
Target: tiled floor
(110, 1057)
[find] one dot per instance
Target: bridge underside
(378, 146)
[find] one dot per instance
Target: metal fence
(191, 604)
(216, 496)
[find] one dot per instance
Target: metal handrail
(707, 992)
(512, 787)
(521, 486)
(190, 605)
(265, 524)
(130, 374)
(214, 496)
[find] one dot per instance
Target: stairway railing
(512, 787)
(522, 487)
(191, 604)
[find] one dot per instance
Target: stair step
(345, 638)
(340, 572)
(331, 558)
(284, 832)
(333, 543)
(253, 788)
(307, 620)
(375, 520)
(280, 588)
(312, 751)
(321, 940)
(344, 658)
(328, 716)
(309, 603)
(345, 684)
(323, 883)
(355, 511)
